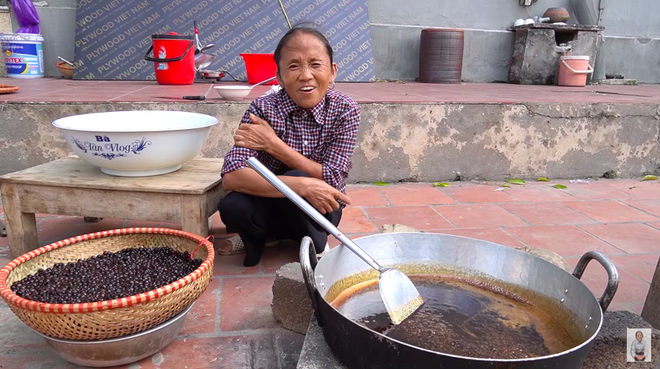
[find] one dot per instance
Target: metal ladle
(399, 295)
(264, 81)
(66, 61)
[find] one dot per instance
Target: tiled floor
(231, 325)
(82, 91)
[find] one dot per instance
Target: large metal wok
(359, 347)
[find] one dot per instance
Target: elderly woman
(305, 134)
(638, 348)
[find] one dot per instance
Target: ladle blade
(399, 295)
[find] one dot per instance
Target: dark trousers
(256, 218)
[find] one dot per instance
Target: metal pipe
(599, 63)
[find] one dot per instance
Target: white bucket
(24, 54)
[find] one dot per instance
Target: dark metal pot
(358, 347)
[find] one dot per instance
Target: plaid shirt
(326, 134)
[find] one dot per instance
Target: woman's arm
(290, 157)
(337, 156)
(248, 181)
(321, 195)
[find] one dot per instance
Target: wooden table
(71, 186)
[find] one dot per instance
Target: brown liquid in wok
(461, 319)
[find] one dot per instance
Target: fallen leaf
(380, 183)
(649, 177)
(560, 186)
(633, 187)
(542, 179)
(506, 186)
(516, 181)
(441, 184)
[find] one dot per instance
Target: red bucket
(260, 67)
(175, 64)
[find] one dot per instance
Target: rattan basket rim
(4, 89)
(10, 297)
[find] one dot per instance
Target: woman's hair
(639, 332)
(308, 28)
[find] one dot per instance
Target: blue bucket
(24, 54)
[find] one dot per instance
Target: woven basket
(7, 89)
(112, 318)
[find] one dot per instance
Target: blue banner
(113, 37)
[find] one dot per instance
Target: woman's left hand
(258, 135)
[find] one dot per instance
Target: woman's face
(639, 336)
(305, 71)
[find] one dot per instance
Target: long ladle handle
(264, 81)
(255, 164)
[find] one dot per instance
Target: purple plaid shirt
(326, 134)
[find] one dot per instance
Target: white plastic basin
(136, 143)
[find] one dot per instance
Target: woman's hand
(258, 136)
(323, 196)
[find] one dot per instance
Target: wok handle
(308, 262)
(612, 275)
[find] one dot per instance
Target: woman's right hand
(322, 196)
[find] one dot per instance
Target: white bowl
(136, 143)
(233, 92)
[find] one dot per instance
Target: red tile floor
(231, 325)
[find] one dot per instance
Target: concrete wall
(396, 28)
(632, 35)
(413, 142)
(632, 42)
(631, 48)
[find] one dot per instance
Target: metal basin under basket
(119, 351)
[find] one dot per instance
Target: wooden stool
(70, 186)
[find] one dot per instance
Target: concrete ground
(231, 325)
(544, 129)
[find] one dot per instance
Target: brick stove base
(316, 354)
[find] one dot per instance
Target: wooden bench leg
(651, 309)
(21, 227)
(193, 215)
